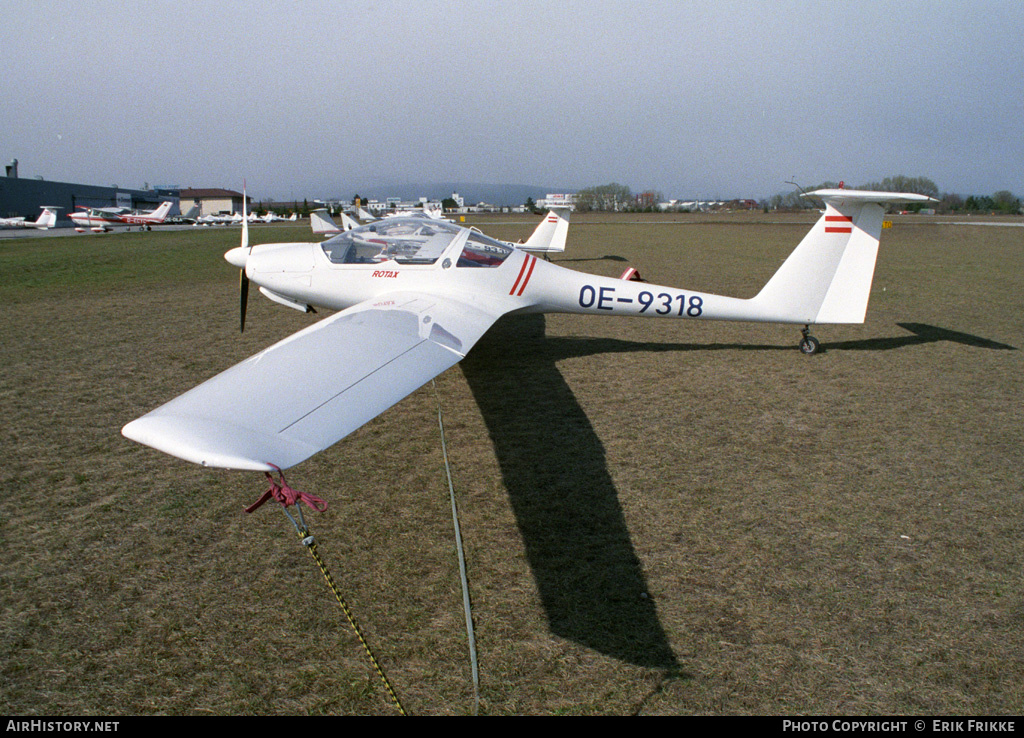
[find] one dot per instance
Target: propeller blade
(243, 298)
(243, 280)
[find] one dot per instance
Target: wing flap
(305, 393)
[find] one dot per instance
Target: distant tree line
(615, 197)
(1003, 201)
(612, 197)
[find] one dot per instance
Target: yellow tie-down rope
(288, 496)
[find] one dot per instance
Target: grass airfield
(660, 517)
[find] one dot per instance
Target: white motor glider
(415, 295)
(46, 220)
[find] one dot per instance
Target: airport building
(211, 201)
(24, 197)
(558, 200)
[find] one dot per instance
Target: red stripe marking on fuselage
(838, 230)
(522, 269)
(533, 260)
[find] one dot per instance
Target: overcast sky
(694, 99)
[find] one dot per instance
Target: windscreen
(405, 240)
(483, 251)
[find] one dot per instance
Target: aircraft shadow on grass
(922, 333)
(590, 580)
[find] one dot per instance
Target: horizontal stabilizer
(839, 197)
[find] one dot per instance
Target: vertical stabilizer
(827, 279)
(47, 219)
(549, 237)
(321, 222)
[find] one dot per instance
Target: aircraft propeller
(243, 295)
(243, 279)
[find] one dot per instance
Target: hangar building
(20, 196)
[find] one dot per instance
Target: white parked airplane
(271, 217)
(415, 295)
(46, 220)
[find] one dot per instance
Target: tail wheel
(808, 343)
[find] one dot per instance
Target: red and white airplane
(414, 294)
(153, 217)
(101, 220)
(46, 220)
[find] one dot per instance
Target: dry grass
(660, 518)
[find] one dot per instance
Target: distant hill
(471, 192)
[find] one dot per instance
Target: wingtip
(200, 443)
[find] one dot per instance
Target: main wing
(310, 390)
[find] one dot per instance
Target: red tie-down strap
(284, 494)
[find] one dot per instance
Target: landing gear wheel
(809, 345)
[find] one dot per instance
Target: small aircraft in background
(548, 237)
(414, 295)
(272, 217)
(434, 212)
(46, 220)
(220, 219)
(101, 220)
(98, 220)
(150, 218)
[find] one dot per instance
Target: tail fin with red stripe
(827, 278)
(549, 237)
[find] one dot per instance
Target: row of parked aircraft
(236, 218)
(101, 220)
